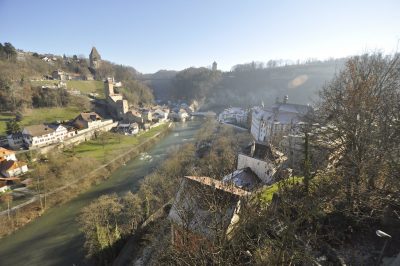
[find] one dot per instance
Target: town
(201, 133)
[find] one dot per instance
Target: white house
(12, 168)
(89, 120)
(128, 128)
(161, 114)
(9, 165)
(273, 123)
(7, 155)
(263, 160)
(42, 135)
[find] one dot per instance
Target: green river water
(54, 238)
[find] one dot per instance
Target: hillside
(29, 88)
(160, 82)
(84, 86)
(248, 86)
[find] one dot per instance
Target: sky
(176, 34)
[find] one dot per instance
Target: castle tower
(108, 88)
(94, 58)
(214, 66)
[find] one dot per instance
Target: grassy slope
(41, 115)
(115, 144)
(268, 192)
(84, 86)
(87, 86)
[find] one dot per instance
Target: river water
(54, 238)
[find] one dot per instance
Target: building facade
(42, 135)
(9, 165)
(269, 125)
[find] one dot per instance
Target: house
(243, 178)
(9, 165)
(87, 120)
(42, 135)
(15, 141)
(12, 168)
(263, 159)
(204, 210)
(7, 155)
(128, 128)
(271, 124)
(161, 114)
(133, 116)
(179, 115)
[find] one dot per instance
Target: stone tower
(108, 88)
(94, 58)
(214, 66)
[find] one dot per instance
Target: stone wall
(82, 136)
(87, 134)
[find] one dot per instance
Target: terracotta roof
(10, 165)
(4, 152)
(38, 130)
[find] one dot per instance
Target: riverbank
(117, 155)
(55, 237)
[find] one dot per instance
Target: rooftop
(244, 178)
(38, 130)
(203, 203)
(5, 152)
(10, 165)
(89, 116)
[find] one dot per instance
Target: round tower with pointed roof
(94, 58)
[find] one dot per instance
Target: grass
(268, 192)
(40, 115)
(4, 117)
(84, 86)
(87, 86)
(115, 144)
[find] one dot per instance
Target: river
(54, 238)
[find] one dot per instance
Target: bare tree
(361, 108)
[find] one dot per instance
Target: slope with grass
(84, 86)
(106, 147)
(40, 115)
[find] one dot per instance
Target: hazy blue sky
(176, 34)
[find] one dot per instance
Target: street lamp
(387, 238)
